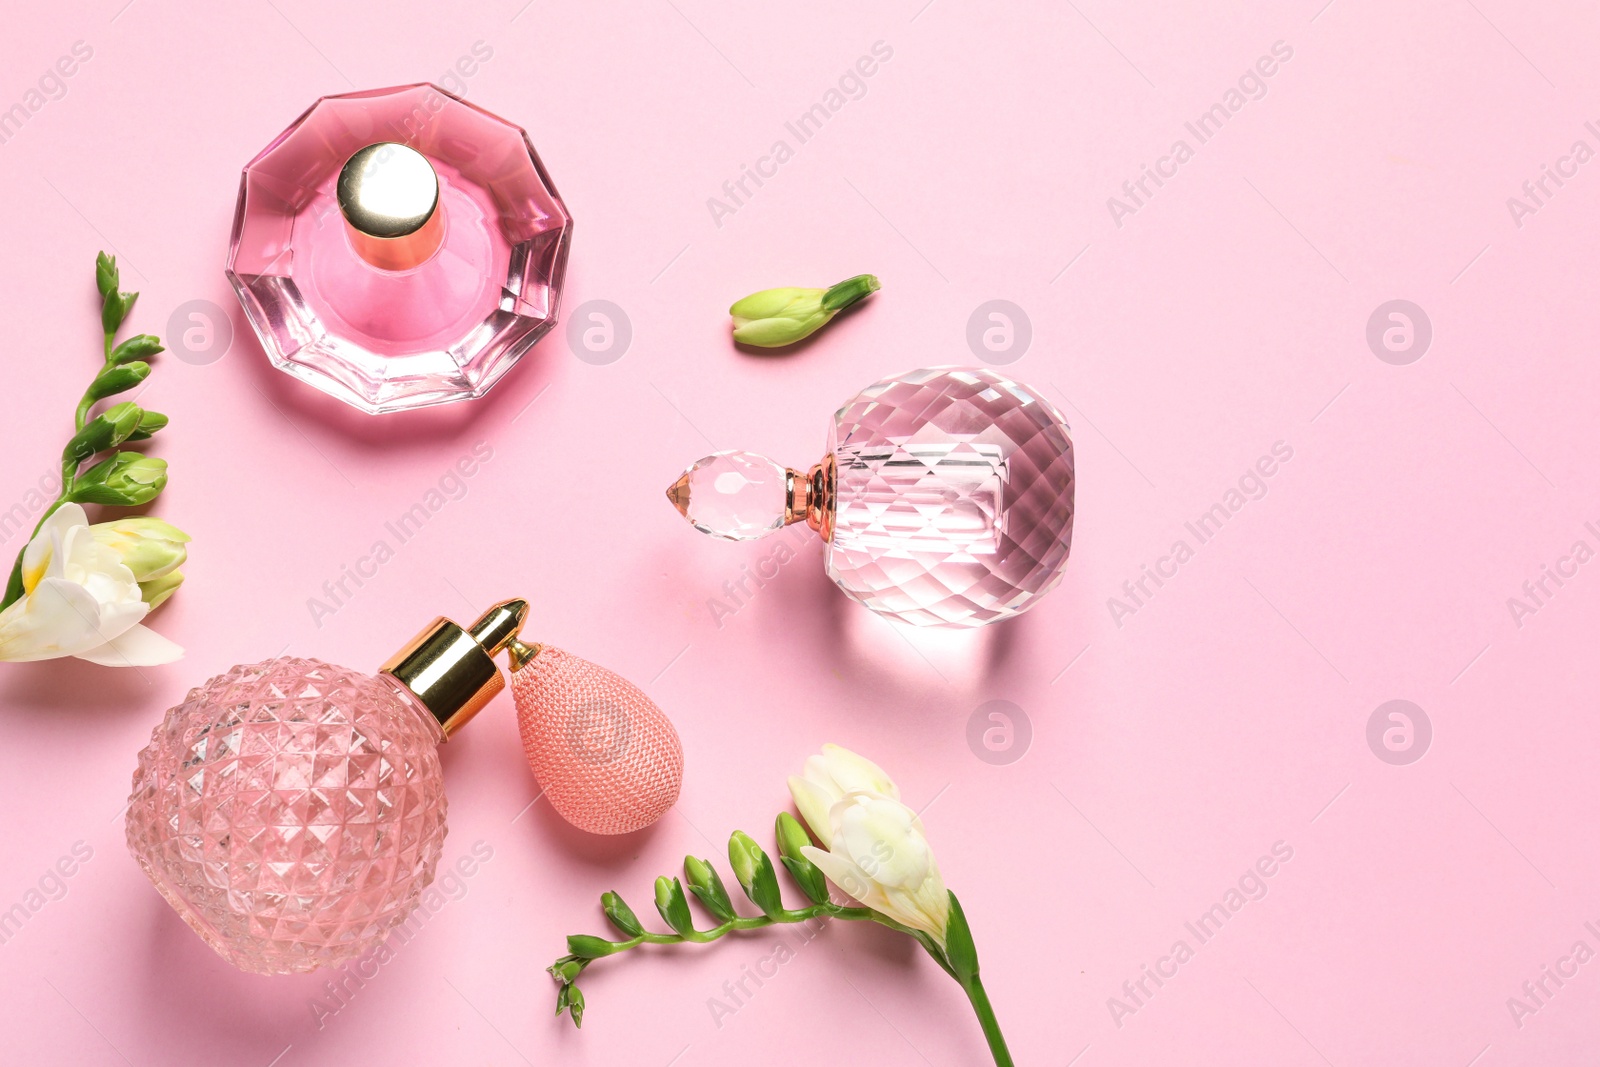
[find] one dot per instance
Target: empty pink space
(1294, 766)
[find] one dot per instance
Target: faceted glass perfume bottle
(945, 499)
(399, 248)
(292, 812)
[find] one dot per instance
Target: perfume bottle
(398, 248)
(292, 811)
(945, 497)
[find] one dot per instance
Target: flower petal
(927, 909)
(137, 646)
(882, 837)
(850, 879)
(814, 803)
(58, 618)
(854, 773)
(45, 548)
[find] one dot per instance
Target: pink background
(1168, 753)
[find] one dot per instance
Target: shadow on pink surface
(547, 830)
(918, 657)
(72, 687)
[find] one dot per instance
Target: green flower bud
(115, 309)
(127, 479)
(792, 837)
(574, 1004)
(107, 430)
(774, 318)
(141, 347)
(148, 546)
(119, 379)
(149, 423)
(744, 857)
(156, 591)
(754, 870)
(586, 947)
(706, 884)
(106, 275)
(673, 905)
(621, 916)
(566, 969)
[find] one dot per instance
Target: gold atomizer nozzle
(451, 671)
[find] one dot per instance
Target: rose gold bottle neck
(811, 497)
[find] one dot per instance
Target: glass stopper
(738, 496)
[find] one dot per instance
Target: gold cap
(452, 671)
(389, 196)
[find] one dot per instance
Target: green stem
(991, 1028)
(69, 474)
(87, 402)
(850, 291)
(973, 986)
(749, 922)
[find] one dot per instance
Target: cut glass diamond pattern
(954, 497)
(291, 811)
(737, 496)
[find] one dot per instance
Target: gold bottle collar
(451, 671)
(389, 197)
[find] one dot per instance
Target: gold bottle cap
(452, 671)
(389, 196)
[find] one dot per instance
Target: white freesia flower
(876, 851)
(80, 599)
(828, 778)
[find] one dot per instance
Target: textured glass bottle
(292, 812)
(398, 248)
(945, 499)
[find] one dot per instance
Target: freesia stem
(991, 1027)
(850, 291)
(974, 988)
(69, 472)
(746, 922)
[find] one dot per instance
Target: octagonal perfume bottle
(398, 248)
(946, 497)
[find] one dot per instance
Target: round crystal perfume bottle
(398, 248)
(292, 811)
(945, 499)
